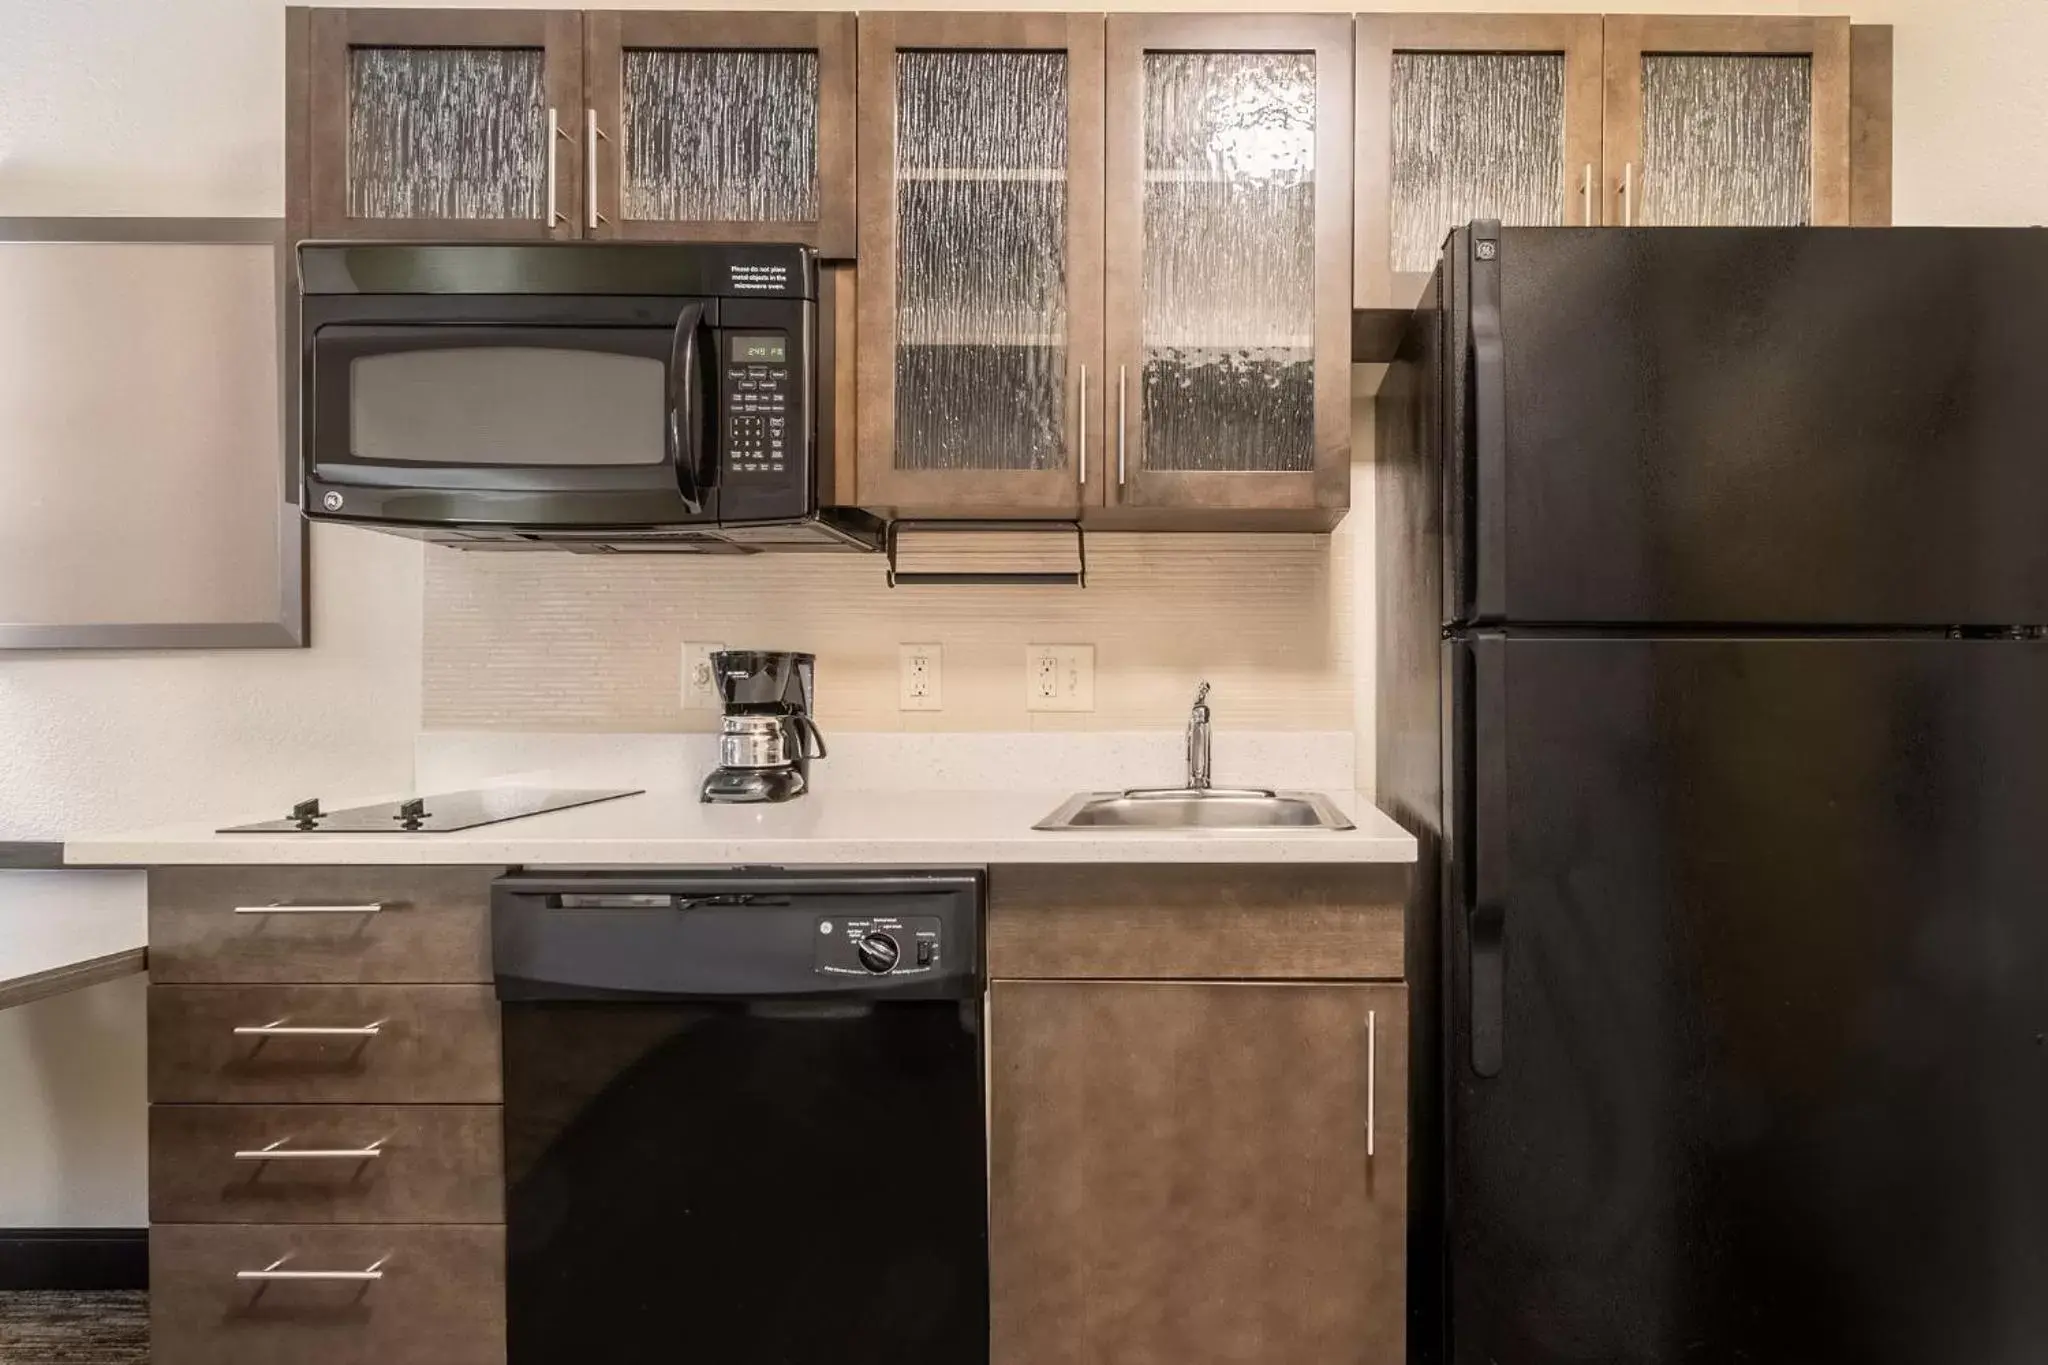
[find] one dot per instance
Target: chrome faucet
(1198, 741)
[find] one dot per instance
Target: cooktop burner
(440, 814)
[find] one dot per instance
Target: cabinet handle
(1372, 1081)
(1084, 424)
(273, 1272)
(1628, 194)
(280, 908)
(555, 134)
(988, 1090)
(590, 171)
(280, 1028)
(1592, 200)
(1120, 421)
(277, 1151)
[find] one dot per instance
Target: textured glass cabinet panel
(720, 136)
(1727, 141)
(447, 132)
(981, 257)
(1229, 262)
(1476, 135)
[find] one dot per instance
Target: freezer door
(1749, 1061)
(1789, 426)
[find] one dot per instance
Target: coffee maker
(765, 740)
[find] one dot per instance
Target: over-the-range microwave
(593, 396)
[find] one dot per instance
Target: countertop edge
(342, 849)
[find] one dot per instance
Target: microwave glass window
(760, 350)
(508, 406)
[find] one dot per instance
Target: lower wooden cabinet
(1184, 1173)
(437, 1296)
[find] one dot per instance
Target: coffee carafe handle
(810, 731)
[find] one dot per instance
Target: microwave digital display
(758, 350)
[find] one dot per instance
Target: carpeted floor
(74, 1329)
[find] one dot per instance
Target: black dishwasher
(743, 1117)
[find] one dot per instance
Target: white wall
(156, 107)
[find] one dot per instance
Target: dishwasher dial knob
(878, 952)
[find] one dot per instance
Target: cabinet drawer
(1332, 923)
(339, 924)
(438, 1299)
(355, 1163)
(393, 1045)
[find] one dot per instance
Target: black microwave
(592, 396)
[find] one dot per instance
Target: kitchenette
(1011, 687)
(855, 1076)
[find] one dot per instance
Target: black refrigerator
(1713, 576)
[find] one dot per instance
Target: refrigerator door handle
(1488, 929)
(1486, 922)
(1489, 424)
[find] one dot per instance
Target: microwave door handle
(686, 406)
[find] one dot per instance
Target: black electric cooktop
(441, 814)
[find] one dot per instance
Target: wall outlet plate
(1059, 677)
(919, 675)
(700, 690)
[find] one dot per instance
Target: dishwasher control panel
(877, 945)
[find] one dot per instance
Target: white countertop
(899, 828)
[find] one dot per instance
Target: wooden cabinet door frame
(1130, 37)
(558, 33)
(1577, 37)
(1077, 482)
(1825, 42)
(608, 34)
(1151, 1147)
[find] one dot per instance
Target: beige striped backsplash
(548, 642)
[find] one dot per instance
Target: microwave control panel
(758, 391)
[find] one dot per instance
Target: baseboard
(74, 1258)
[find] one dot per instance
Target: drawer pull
(273, 1273)
(281, 908)
(277, 1151)
(282, 1028)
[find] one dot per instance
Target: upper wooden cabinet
(1229, 218)
(477, 124)
(718, 126)
(444, 123)
(1464, 116)
(1728, 121)
(980, 366)
(1629, 121)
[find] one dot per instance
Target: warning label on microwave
(760, 279)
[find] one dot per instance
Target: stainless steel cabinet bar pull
(555, 214)
(1592, 200)
(277, 1151)
(272, 1272)
(1372, 1080)
(279, 908)
(1120, 420)
(1084, 425)
(590, 171)
(1628, 194)
(279, 1028)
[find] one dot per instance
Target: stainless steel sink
(1191, 808)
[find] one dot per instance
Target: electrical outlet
(700, 689)
(1059, 678)
(918, 677)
